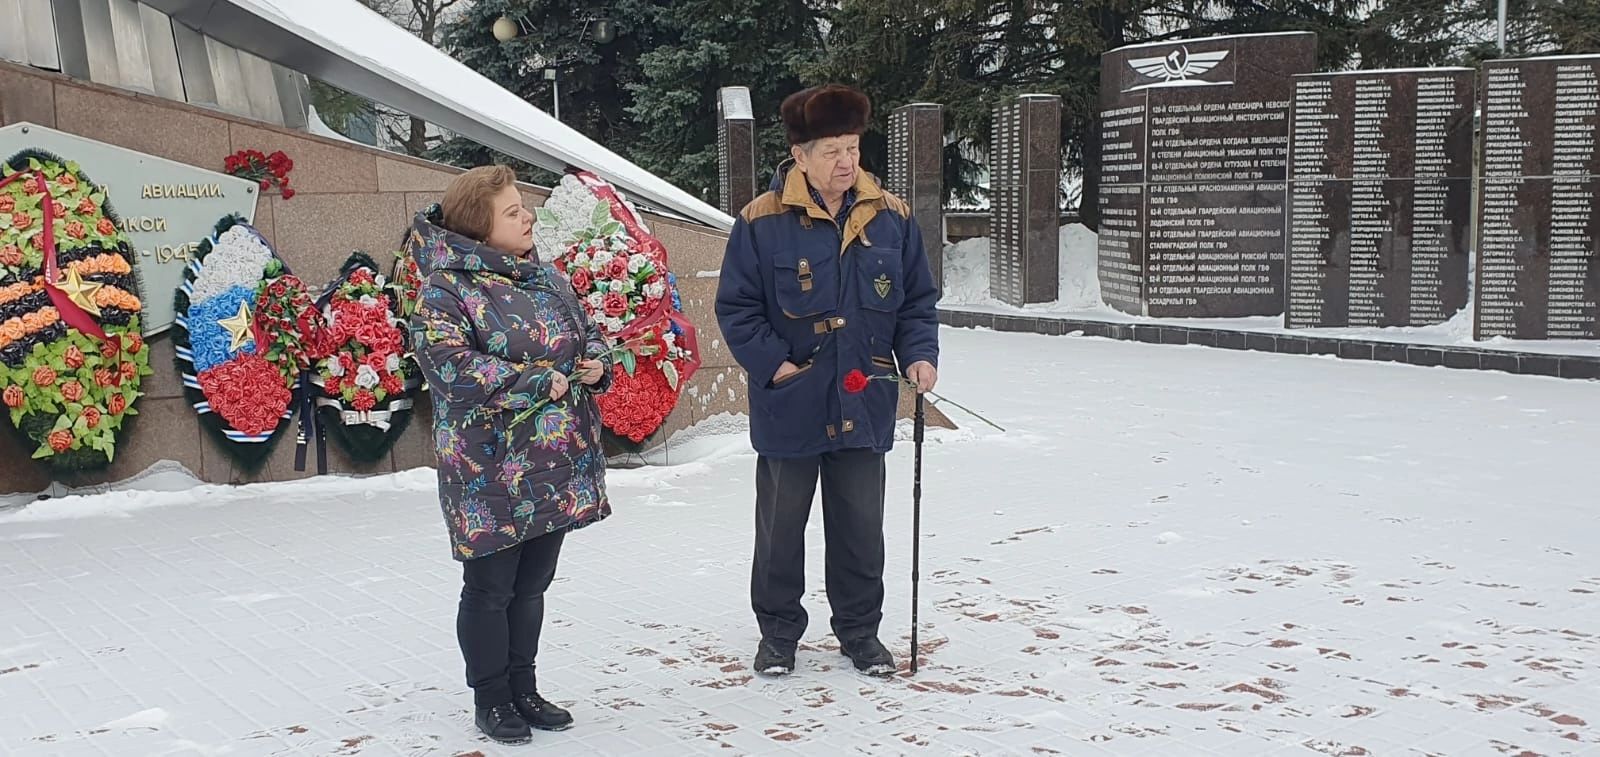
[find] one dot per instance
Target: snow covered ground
(1172, 550)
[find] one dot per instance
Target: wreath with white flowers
(365, 381)
(619, 271)
(242, 340)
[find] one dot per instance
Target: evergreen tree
(706, 45)
(559, 35)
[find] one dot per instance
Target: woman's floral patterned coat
(490, 333)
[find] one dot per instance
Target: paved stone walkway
(1171, 551)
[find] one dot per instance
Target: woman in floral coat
(500, 333)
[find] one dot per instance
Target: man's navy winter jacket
(797, 286)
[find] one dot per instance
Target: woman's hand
(591, 371)
(558, 385)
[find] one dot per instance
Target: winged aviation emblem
(1178, 65)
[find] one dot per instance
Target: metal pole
(916, 530)
(555, 94)
(1503, 27)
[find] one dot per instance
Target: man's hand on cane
(924, 375)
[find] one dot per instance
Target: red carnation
(72, 391)
(288, 194)
(32, 186)
(91, 416)
(364, 400)
(108, 349)
(68, 181)
(855, 382)
(76, 229)
(21, 221)
(86, 206)
(615, 304)
(617, 268)
(134, 343)
(7, 203)
(266, 184)
(73, 357)
(105, 227)
(10, 255)
(60, 441)
(128, 371)
(117, 404)
(104, 377)
(58, 210)
(14, 396)
(44, 376)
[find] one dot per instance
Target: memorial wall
(1025, 204)
(1380, 198)
(1538, 265)
(1194, 149)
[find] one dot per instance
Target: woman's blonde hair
(467, 202)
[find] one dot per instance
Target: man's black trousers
(852, 519)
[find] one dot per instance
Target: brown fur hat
(826, 111)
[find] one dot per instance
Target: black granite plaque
(916, 174)
(736, 149)
(1024, 203)
(1538, 271)
(1380, 185)
(1197, 131)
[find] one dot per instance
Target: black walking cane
(916, 530)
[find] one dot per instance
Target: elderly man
(823, 276)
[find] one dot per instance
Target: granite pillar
(736, 149)
(916, 173)
(1194, 150)
(1025, 201)
(1538, 272)
(1380, 198)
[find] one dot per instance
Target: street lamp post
(554, 77)
(506, 29)
(1502, 27)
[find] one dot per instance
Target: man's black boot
(775, 658)
(869, 656)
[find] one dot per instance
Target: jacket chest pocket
(806, 286)
(879, 279)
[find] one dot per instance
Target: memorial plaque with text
(1538, 271)
(1025, 205)
(916, 174)
(1380, 193)
(1194, 145)
(736, 149)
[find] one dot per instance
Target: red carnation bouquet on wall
(264, 169)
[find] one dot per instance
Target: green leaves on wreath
(671, 372)
(629, 362)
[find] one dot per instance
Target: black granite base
(1523, 363)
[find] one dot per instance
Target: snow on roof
(349, 46)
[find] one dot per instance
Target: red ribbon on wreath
(71, 313)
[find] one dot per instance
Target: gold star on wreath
(80, 292)
(239, 328)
